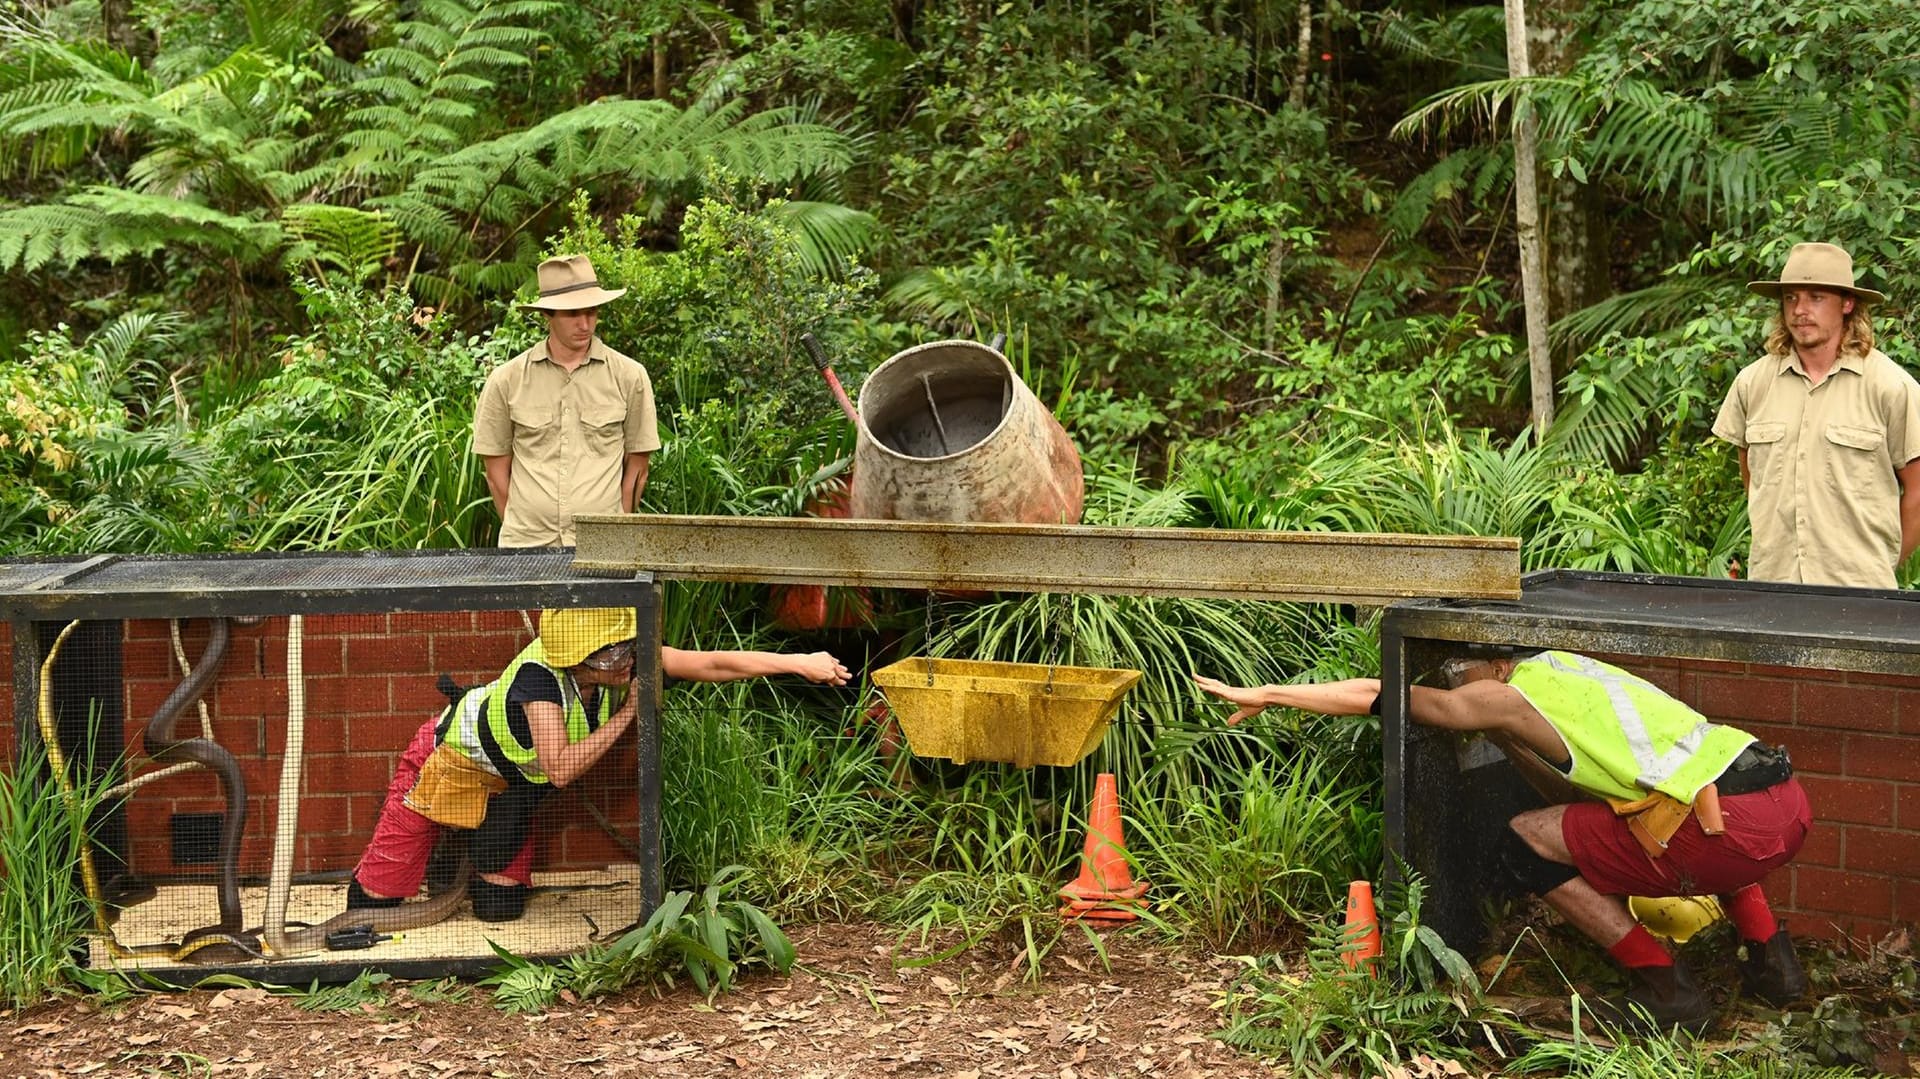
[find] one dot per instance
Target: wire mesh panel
(302, 796)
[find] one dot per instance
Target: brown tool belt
(1654, 819)
(1755, 769)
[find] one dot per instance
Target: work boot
(358, 899)
(1771, 971)
(1665, 998)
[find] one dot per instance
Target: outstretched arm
(694, 666)
(1352, 697)
(1487, 705)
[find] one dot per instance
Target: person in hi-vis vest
(1677, 805)
(488, 761)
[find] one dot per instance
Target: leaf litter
(847, 1010)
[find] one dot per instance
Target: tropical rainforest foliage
(259, 256)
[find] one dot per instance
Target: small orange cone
(1361, 935)
(1105, 890)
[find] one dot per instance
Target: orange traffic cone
(1105, 890)
(1361, 936)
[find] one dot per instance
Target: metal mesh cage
(250, 767)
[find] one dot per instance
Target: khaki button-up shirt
(568, 432)
(1823, 497)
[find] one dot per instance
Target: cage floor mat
(556, 922)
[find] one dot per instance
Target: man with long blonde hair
(1829, 433)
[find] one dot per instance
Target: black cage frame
(42, 593)
(1443, 792)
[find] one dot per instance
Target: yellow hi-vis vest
(1625, 736)
(486, 706)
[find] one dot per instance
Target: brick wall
(369, 685)
(1855, 740)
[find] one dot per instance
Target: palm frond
(1644, 311)
(831, 236)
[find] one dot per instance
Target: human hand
(821, 667)
(1247, 697)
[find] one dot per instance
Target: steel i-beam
(1365, 568)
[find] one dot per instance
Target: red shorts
(1764, 831)
(395, 861)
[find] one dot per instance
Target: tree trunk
(1270, 311)
(1577, 236)
(660, 67)
(1302, 58)
(906, 28)
(123, 31)
(1526, 196)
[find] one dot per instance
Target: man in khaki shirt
(1829, 434)
(565, 427)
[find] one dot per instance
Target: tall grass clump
(1234, 862)
(842, 817)
(985, 859)
(778, 779)
(716, 799)
(44, 910)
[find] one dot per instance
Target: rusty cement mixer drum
(948, 432)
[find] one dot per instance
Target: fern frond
(354, 241)
(930, 293)
(1414, 206)
(110, 223)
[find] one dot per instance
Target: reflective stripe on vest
(463, 733)
(1655, 767)
(1616, 749)
(488, 705)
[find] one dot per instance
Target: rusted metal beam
(1363, 568)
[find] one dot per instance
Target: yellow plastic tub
(1021, 713)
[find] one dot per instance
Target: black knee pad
(358, 899)
(497, 902)
(1525, 868)
(508, 823)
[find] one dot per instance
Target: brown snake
(375, 919)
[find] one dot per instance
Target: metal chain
(926, 638)
(1056, 634)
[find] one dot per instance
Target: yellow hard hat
(1676, 917)
(572, 634)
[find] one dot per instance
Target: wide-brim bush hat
(569, 635)
(568, 283)
(1816, 266)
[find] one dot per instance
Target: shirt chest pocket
(535, 427)
(603, 429)
(1858, 456)
(1763, 440)
(1849, 436)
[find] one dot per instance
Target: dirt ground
(847, 1010)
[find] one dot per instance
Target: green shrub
(1333, 1020)
(707, 939)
